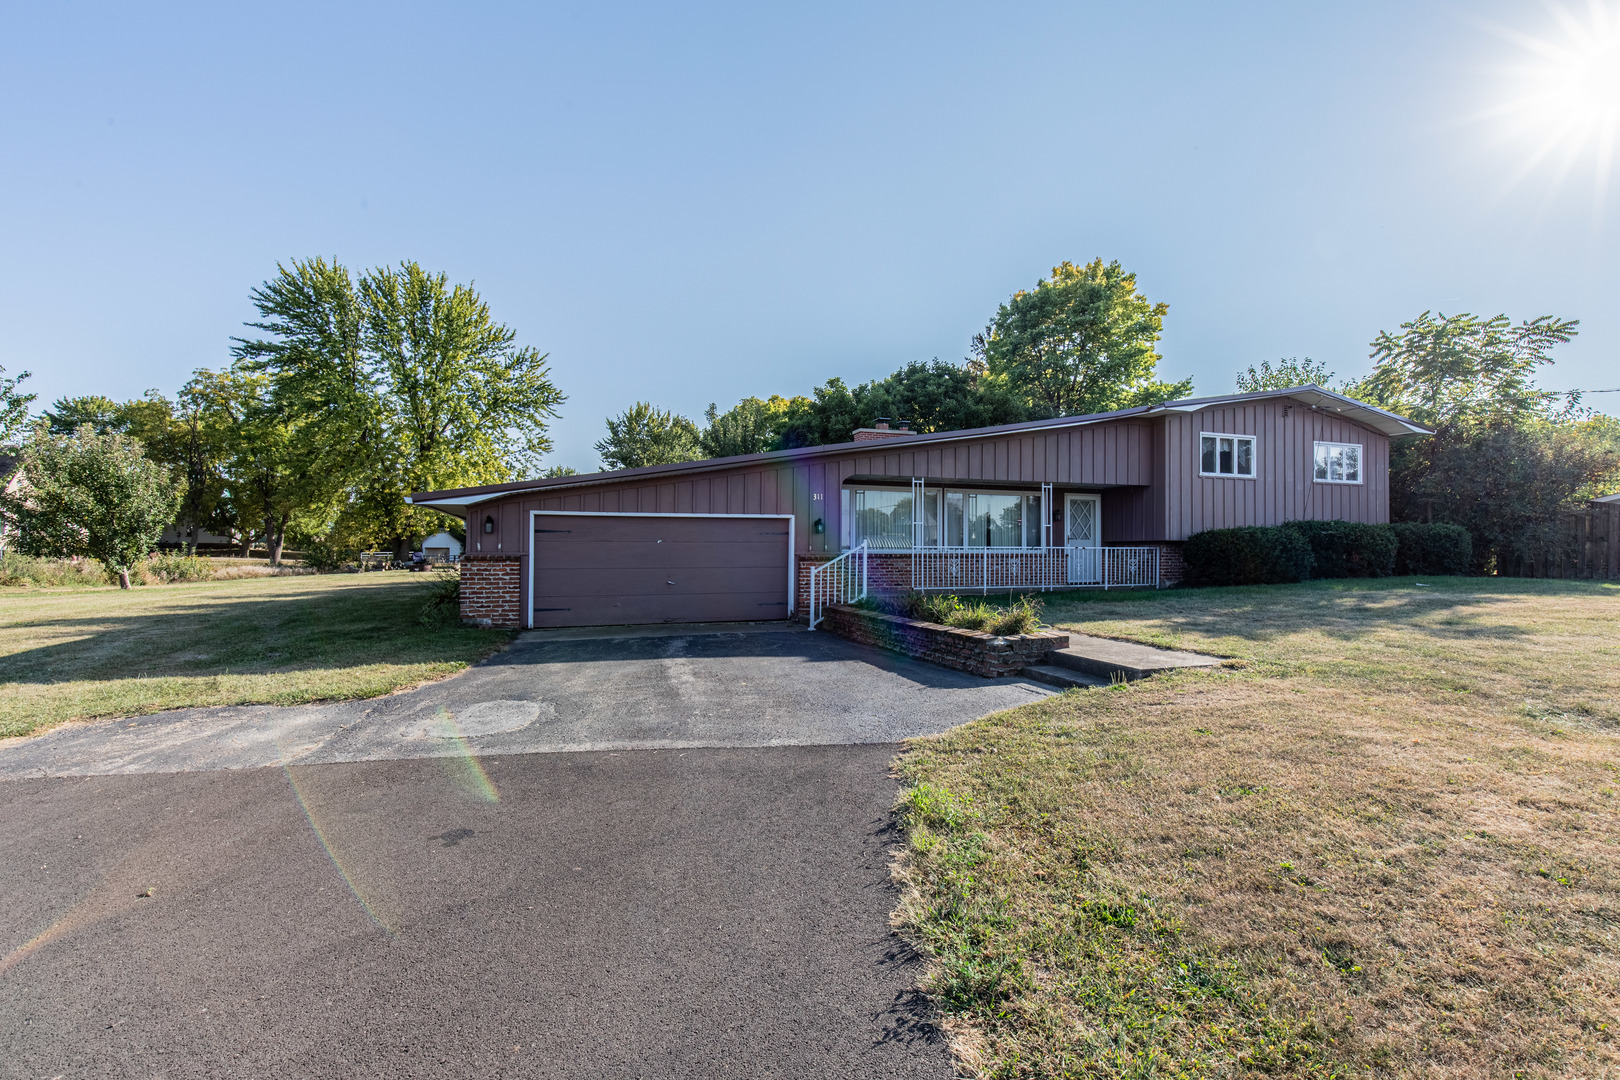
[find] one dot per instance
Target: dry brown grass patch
(1389, 838)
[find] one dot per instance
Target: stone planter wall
(948, 646)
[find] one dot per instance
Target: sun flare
(1561, 100)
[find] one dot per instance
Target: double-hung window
(1226, 455)
(1338, 463)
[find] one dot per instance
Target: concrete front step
(1107, 659)
(1060, 677)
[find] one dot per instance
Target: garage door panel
(622, 569)
(598, 581)
(567, 556)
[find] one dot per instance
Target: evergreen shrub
(1250, 555)
(1436, 548)
(1346, 549)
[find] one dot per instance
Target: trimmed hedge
(1252, 555)
(1345, 549)
(1432, 548)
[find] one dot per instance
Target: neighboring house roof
(456, 500)
(1615, 498)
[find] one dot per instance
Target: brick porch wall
(492, 590)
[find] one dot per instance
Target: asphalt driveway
(412, 887)
(663, 688)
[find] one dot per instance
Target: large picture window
(1338, 463)
(971, 519)
(1226, 455)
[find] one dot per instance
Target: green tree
(1283, 375)
(399, 382)
(555, 471)
(643, 435)
(67, 414)
(92, 494)
(939, 396)
(1507, 459)
(752, 426)
(13, 407)
(1463, 369)
(1080, 342)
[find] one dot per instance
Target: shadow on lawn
(301, 630)
(1343, 609)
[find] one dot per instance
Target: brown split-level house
(1103, 500)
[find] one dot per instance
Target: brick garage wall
(492, 590)
(948, 646)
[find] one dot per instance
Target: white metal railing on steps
(837, 581)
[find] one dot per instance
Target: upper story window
(1338, 463)
(1226, 455)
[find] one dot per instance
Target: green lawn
(1384, 840)
(70, 654)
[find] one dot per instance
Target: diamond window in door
(1082, 520)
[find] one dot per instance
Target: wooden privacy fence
(1588, 546)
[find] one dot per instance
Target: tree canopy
(643, 435)
(13, 407)
(92, 493)
(1465, 369)
(1283, 375)
(392, 383)
(1081, 341)
(1506, 458)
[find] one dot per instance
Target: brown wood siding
(1145, 468)
(1283, 488)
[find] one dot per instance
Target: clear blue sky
(687, 203)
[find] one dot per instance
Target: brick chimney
(882, 430)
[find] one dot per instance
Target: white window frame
(1254, 455)
(942, 491)
(1361, 462)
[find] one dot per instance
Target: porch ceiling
(990, 485)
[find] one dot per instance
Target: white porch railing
(983, 569)
(838, 581)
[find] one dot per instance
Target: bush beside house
(1297, 550)
(1251, 555)
(1432, 548)
(1341, 549)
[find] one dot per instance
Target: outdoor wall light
(819, 527)
(489, 524)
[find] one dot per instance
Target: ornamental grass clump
(1022, 616)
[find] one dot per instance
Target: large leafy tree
(92, 493)
(1507, 459)
(643, 435)
(396, 382)
(1283, 375)
(1461, 369)
(752, 426)
(932, 396)
(1081, 341)
(13, 407)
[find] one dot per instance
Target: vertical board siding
(1283, 488)
(1146, 470)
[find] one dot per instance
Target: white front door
(1082, 535)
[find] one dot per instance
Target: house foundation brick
(492, 590)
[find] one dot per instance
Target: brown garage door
(610, 569)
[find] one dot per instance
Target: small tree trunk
(401, 548)
(123, 578)
(247, 543)
(276, 542)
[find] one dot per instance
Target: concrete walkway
(649, 688)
